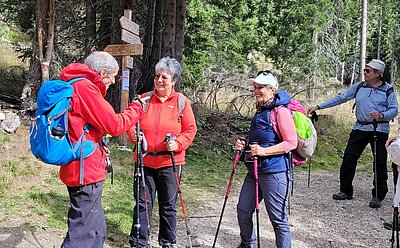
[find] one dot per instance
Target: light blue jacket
(368, 99)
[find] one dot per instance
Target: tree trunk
(117, 12)
(378, 56)
(105, 28)
(393, 66)
(312, 82)
(363, 33)
(168, 44)
(147, 68)
(180, 28)
(156, 44)
(43, 45)
(180, 31)
(90, 26)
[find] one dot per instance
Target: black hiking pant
(161, 183)
(86, 220)
(356, 144)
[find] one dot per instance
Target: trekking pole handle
(244, 140)
(168, 138)
(375, 124)
(254, 143)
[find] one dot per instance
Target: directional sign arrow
(124, 49)
(129, 25)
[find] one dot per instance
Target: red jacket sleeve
(99, 113)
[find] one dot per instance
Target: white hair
(169, 64)
(102, 60)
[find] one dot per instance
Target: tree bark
(43, 44)
(180, 28)
(179, 33)
(168, 44)
(105, 28)
(154, 44)
(117, 12)
(90, 36)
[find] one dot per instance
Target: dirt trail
(316, 219)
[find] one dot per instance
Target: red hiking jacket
(89, 106)
(160, 119)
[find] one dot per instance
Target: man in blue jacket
(375, 102)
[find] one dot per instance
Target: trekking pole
(309, 173)
(228, 190)
(188, 232)
(141, 145)
(290, 155)
(314, 118)
(255, 168)
(395, 227)
(375, 124)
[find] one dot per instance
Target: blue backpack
(49, 137)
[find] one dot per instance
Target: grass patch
(11, 166)
(4, 141)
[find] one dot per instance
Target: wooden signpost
(132, 46)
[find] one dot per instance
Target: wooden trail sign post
(132, 46)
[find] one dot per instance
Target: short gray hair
(170, 64)
(102, 60)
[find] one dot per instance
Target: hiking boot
(242, 245)
(342, 196)
(375, 203)
(134, 245)
(168, 245)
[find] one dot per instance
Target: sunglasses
(265, 72)
(368, 70)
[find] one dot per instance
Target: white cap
(265, 78)
(377, 64)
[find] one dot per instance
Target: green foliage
(19, 12)
(218, 33)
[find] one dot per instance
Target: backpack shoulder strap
(389, 91)
(273, 118)
(74, 80)
(355, 94)
(181, 105)
(362, 83)
(150, 95)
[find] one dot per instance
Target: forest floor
(316, 220)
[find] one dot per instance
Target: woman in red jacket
(162, 117)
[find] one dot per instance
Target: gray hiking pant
(273, 188)
(86, 221)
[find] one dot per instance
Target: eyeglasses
(163, 77)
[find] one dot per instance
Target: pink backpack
(298, 159)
